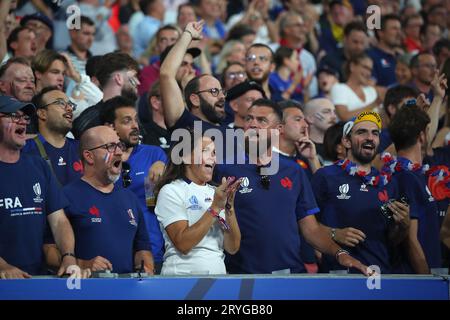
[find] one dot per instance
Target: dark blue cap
(10, 104)
(37, 16)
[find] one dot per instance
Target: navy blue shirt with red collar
(346, 201)
(268, 215)
(29, 193)
(110, 225)
(65, 161)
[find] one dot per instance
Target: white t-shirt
(342, 94)
(180, 200)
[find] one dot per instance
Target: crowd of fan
(87, 116)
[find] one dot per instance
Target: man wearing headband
(29, 198)
(350, 194)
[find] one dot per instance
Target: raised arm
(171, 95)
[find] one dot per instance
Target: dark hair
(14, 36)
(261, 45)
(109, 107)
(43, 60)
(174, 171)
(192, 87)
(167, 27)
(239, 31)
(144, 4)
(112, 62)
(332, 138)
(409, 18)
(287, 104)
(38, 99)
(18, 60)
(281, 54)
(439, 45)
(92, 64)
(86, 20)
(384, 21)
(354, 26)
(224, 71)
(355, 59)
(262, 102)
(396, 94)
(424, 28)
(406, 126)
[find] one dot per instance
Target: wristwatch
(333, 234)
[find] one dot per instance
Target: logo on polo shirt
(286, 183)
(61, 162)
(244, 184)
(385, 63)
(37, 191)
(163, 142)
(343, 189)
(194, 203)
(363, 188)
(131, 215)
(78, 166)
(430, 198)
(96, 213)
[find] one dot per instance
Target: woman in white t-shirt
(356, 95)
(195, 226)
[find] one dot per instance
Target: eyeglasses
(62, 104)
(16, 117)
(111, 147)
(234, 75)
(265, 179)
(126, 179)
(253, 57)
(214, 92)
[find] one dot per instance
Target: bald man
(107, 220)
(320, 114)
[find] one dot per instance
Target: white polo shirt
(183, 200)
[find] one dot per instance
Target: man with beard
(320, 114)
(272, 208)
(107, 220)
(259, 64)
(17, 79)
(203, 95)
(350, 194)
(423, 186)
(54, 119)
(117, 76)
(144, 161)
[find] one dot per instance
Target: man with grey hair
(320, 114)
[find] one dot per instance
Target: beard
(360, 157)
(129, 93)
(128, 142)
(209, 111)
(113, 178)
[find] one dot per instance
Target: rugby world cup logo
(37, 191)
(343, 189)
(244, 184)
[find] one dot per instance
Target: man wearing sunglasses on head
(107, 220)
(29, 198)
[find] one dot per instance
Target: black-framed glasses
(111, 147)
(214, 92)
(265, 179)
(62, 104)
(126, 178)
(16, 117)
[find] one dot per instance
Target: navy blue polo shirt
(425, 208)
(110, 225)
(65, 161)
(268, 219)
(29, 193)
(345, 201)
(141, 159)
(383, 67)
